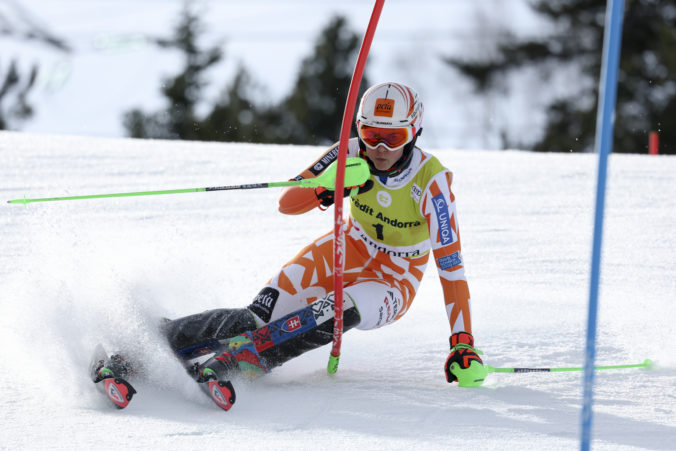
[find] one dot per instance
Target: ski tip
(119, 391)
(223, 394)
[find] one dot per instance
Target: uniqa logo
(443, 219)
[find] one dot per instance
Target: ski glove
(463, 363)
(326, 196)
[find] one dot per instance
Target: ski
(107, 373)
(221, 392)
(117, 389)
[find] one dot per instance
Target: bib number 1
(379, 231)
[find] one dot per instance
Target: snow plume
(75, 288)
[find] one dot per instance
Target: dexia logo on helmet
(384, 107)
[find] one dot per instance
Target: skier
(404, 212)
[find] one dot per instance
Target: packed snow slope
(76, 273)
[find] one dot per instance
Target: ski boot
(113, 366)
(109, 374)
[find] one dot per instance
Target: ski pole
(356, 173)
(647, 363)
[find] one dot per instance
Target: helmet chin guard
(391, 105)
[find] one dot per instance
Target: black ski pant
(209, 331)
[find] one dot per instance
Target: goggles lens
(393, 138)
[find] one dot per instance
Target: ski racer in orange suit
(404, 213)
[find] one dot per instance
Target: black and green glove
(327, 197)
(463, 363)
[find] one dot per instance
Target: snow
(76, 273)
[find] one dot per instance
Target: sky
(74, 274)
(112, 68)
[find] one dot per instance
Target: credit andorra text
(379, 247)
(391, 221)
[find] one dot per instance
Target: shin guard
(260, 350)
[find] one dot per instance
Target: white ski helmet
(390, 106)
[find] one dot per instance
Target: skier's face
(382, 158)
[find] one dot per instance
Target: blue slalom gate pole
(603, 145)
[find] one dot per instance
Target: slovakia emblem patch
(292, 324)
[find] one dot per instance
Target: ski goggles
(391, 138)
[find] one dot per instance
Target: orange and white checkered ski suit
(391, 230)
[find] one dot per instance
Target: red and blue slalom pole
(338, 232)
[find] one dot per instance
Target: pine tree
(318, 100)
(311, 114)
(183, 92)
(646, 97)
(14, 90)
(15, 84)
(237, 117)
